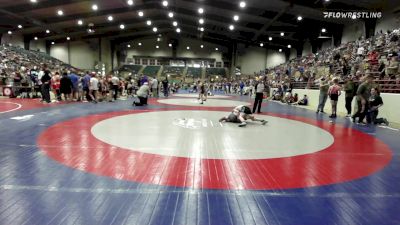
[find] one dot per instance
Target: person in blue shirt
(241, 87)
(75, 84)
(85, 86)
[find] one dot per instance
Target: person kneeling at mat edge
(240, 114)
(143, 93)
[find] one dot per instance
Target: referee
(260, 88)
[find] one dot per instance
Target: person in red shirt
(55, 85)
(334, 92)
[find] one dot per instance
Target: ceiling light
(80, 22)
(155, 29)
(261, 45)
(158, 39)
(170, 45)
(47, 31)
(140, 44)
(201, 20)
(128, 46)
(201, 29)
(60, 12)
(20, 26)
(187, 47)
(326, 0)
(10, 32)
(148, 22)
(175, 23)
(95, 7)
(178, 30)
(270, 38)
(130, 2)
(33, 1)
(170, 14)
(165, 3)
(52, 43)
(235, 17)
(242, 4)
(282, 34)
(201, 46)
(216, 49)
(200, 10)
(323, 30)
(68, 38)
(157, 46)
(289, 46)
(140, 13)
(299, 18)
(280, 50)
(110, 18)
(231, 27)
(122, 26)
(36, 38)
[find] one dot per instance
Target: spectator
(66, 86)
(323, 95)
(303, 101)
(363, 94)
(115, 86)
(349, 89)
(393, 67)
(93, 87)
(375, 102)
(154, 87)
(46, 79)
(143, 94)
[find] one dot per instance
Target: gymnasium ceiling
(258, 20)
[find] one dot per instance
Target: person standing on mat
(115, 86)
(323, 95)
(349, 89)
(165, 86)
(334, 93)
(202, 92)
(260, 88)
(240, 114)
(363, 94)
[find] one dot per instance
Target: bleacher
(173, 71)
(194, 72)
(216, 72)
(151, 70)
(134, 69)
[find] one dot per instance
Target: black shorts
(233, 118)
(334, 97)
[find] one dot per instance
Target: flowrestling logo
(352, 15)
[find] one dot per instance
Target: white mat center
(198, 134)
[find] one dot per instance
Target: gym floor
(172, 162)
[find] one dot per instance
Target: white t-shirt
(143, 91)
(154, 83)
(115, 80)
(94, 84)
(260, 88)
(360, 51)
(40, 75)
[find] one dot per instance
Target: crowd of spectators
(378, 56)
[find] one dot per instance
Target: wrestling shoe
(263, 122)
(243, 124)
(386, 122)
